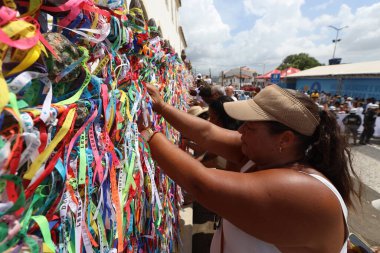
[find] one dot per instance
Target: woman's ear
(287, 139)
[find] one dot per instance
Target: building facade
(237, 77)
(166, 15)
(361, 80)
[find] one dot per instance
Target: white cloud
(362, 38)
(268, 7)
(205, 32)
(323, 6)
(280, 29)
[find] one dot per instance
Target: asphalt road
(365, 220)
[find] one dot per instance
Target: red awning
(284, 73)
(268, 75)
(289, 71)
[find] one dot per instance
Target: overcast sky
(222, 34)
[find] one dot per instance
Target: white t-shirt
(234, 98)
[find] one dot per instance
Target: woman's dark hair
(226, 121)
(326, 150)
(204, 115)
(205, 90)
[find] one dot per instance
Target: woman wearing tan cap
(291, 191)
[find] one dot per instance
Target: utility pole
(209, 71)
(222, 78)
(240, 80)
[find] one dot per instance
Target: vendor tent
(284, 73)
(268, 75)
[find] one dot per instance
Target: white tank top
(238, 241)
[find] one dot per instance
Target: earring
(280, 149)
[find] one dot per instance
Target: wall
(165, 12)
(353, 87)
(362, 88)
(327, 85)
(78, 155)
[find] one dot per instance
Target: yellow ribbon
(10, 3)
(30, 58)
(4, 98)
(42, 157)
(22, 29)
(34, 6)
(87, 80)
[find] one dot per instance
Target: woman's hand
(158, 102)
(143, 121)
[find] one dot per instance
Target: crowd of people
(277, 144)
(358, 112)
(341, 104)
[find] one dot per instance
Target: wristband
(147, 134)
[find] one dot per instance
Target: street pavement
(364, 220)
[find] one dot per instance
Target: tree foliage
(300, 61)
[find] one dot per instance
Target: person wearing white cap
(369, 123)
(349, 103)
(292, 192)
(352, 123)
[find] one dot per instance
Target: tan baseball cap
(275, 104)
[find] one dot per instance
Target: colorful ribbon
(75, 175)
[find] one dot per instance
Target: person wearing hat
(198, 111)
(333, 110)
(291, 191)
(349, 103)
(352, 123)
(199, 82)
(315, 96)
(369, 123)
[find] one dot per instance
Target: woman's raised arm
(271, 205)
(223, 142)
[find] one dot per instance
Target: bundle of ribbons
(75, 174)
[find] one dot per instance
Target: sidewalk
(368, 166)
(186, 226)
(197, 229)
(364, 220)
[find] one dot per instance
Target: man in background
(352, 123)
(208, 80)
(230, 92)
(369, 123)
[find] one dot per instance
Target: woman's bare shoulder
(298, 188)
(288, 204)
